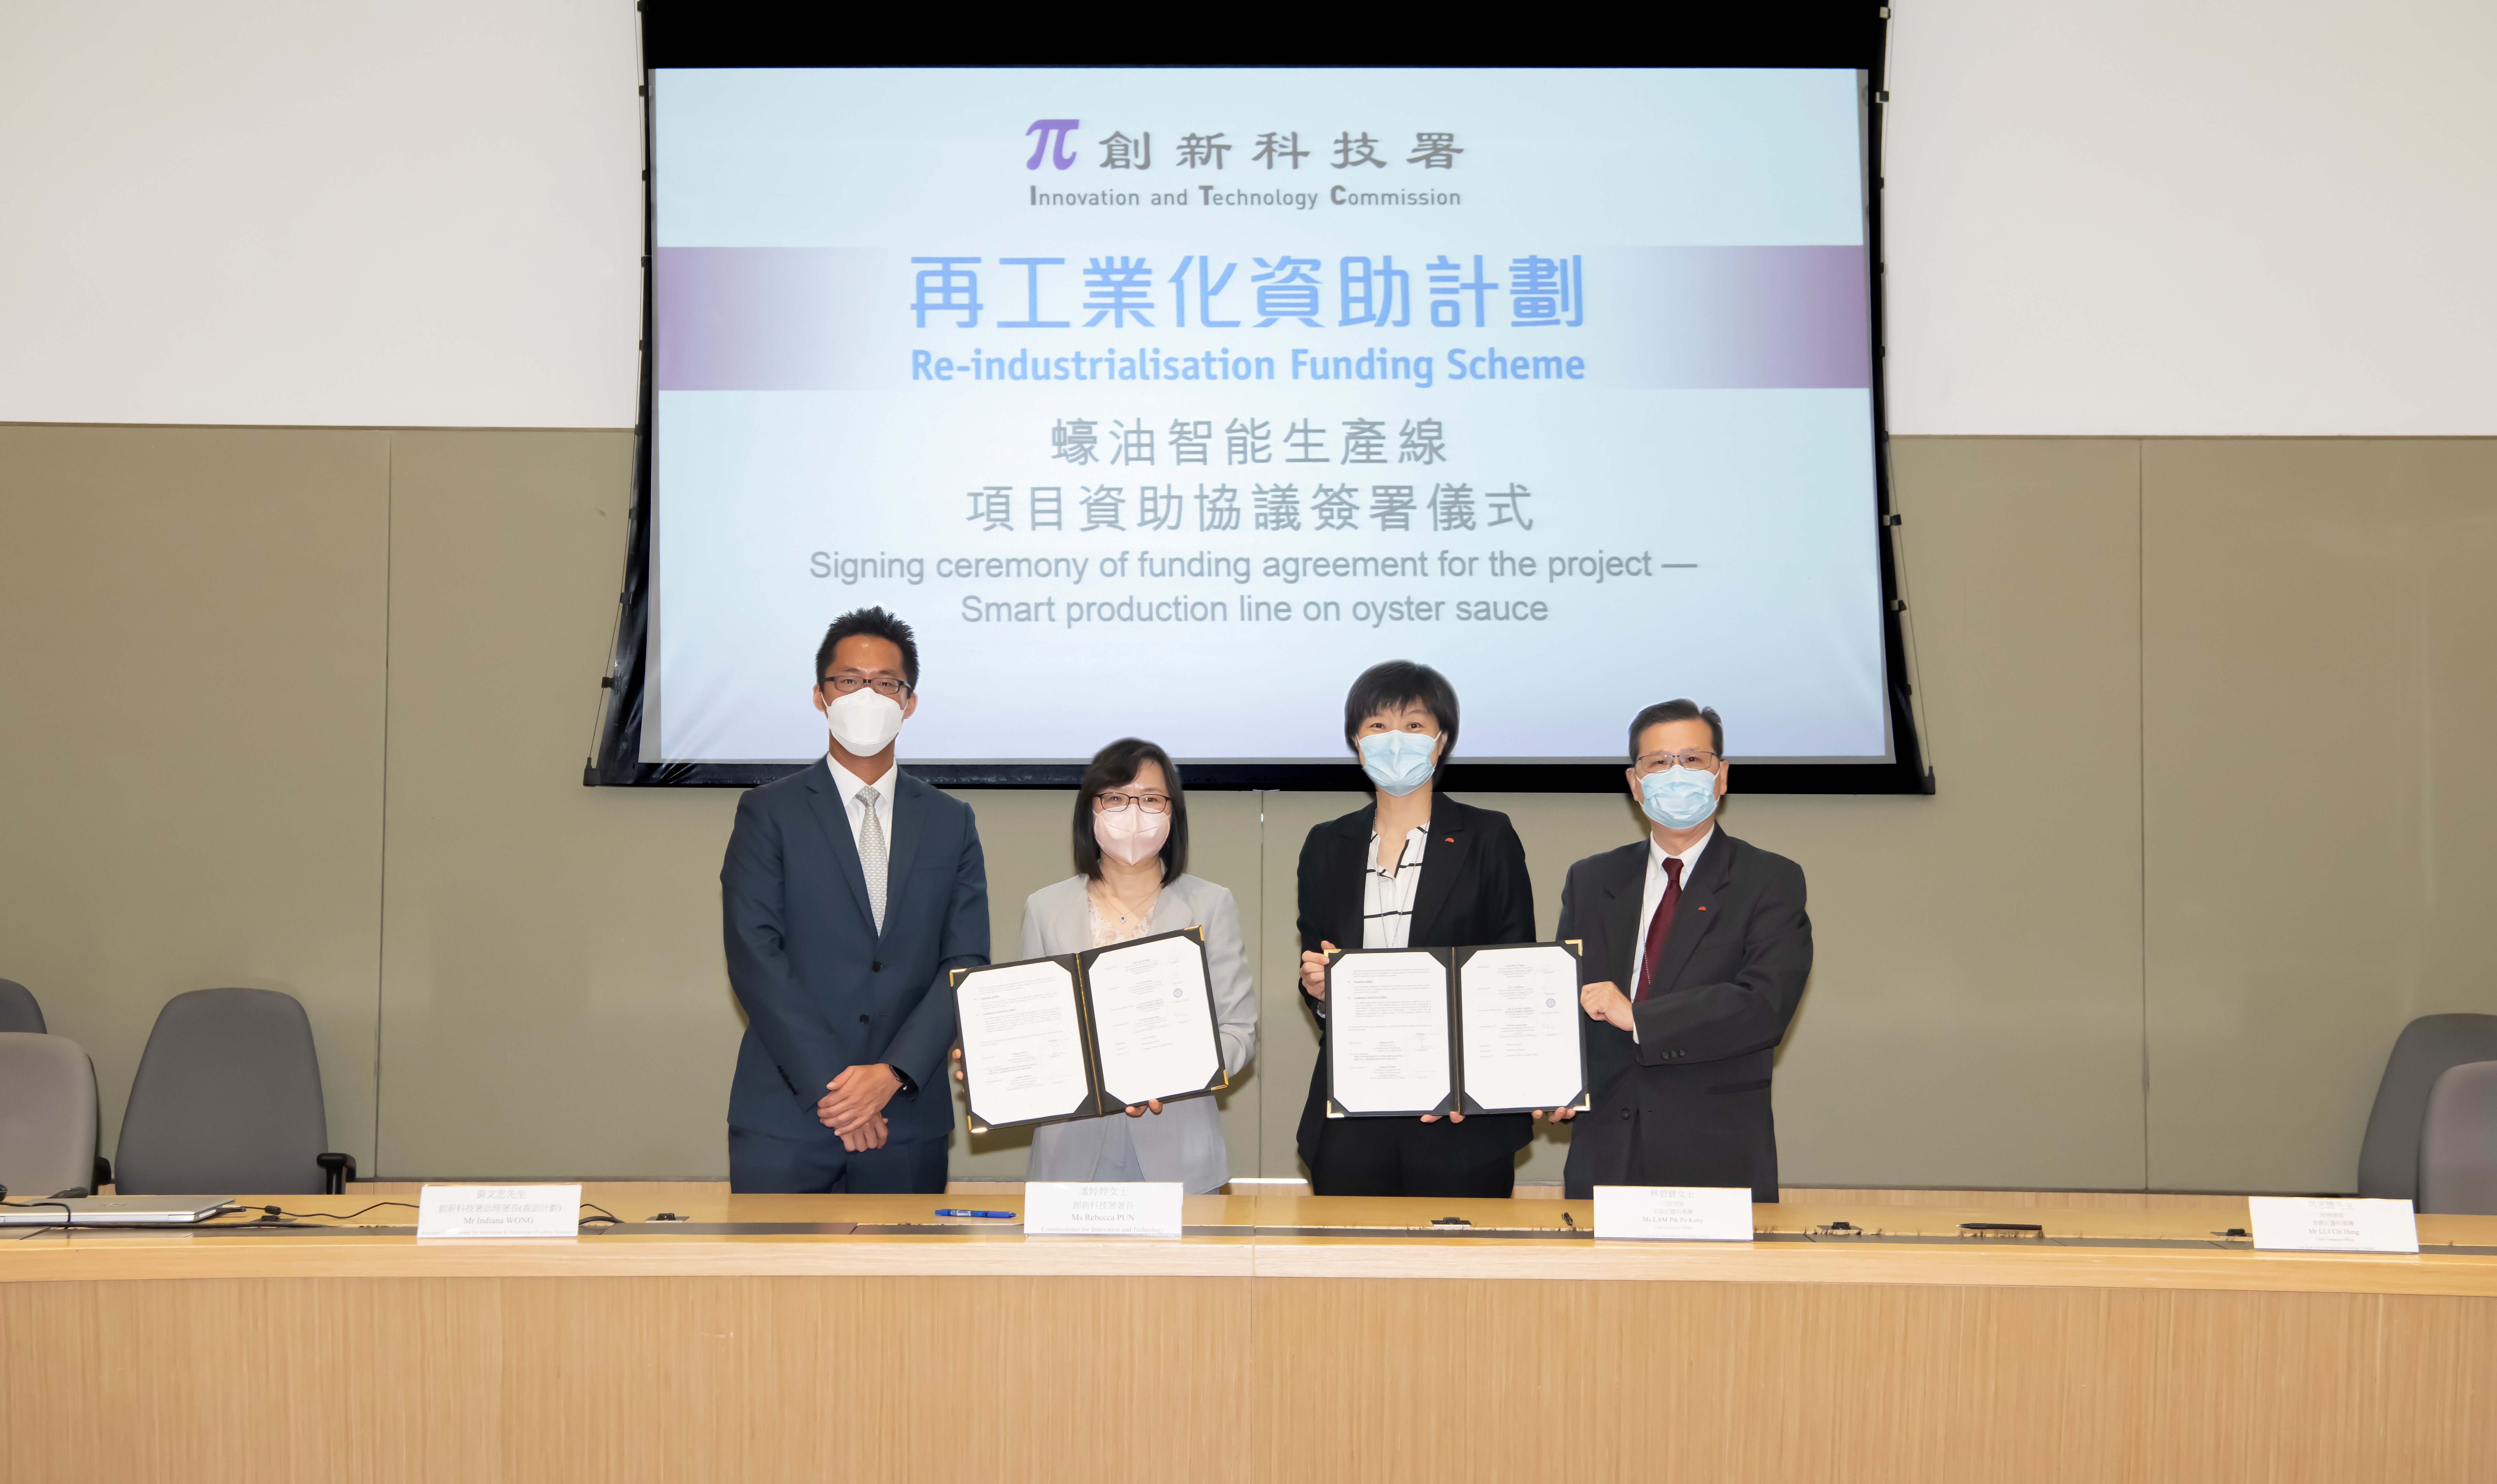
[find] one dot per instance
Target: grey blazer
(1184, 1141)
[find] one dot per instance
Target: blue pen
(1002, 1216)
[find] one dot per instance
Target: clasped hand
(853, 1105)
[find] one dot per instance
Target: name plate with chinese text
(1087, 1208)
(498, 1210)
(1673, 1213)
(2297, 1224)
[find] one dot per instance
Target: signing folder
(1082, 1034)
(1436, 1030)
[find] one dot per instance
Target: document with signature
(1080, 1036)
(1432, 1030)
(1387, 1034)
(1023, 1057)
(1518, 1025)
(1153, 1019)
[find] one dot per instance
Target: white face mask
(1131, 834)
(864, 721)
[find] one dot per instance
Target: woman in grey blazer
(1130, 855)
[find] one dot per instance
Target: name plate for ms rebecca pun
(498, 1210)
(1673, 1213)
(2297, 1224)
(1089, 1209)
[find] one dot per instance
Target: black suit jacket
(1474, 891)
(822, 990)
(1688, 1103)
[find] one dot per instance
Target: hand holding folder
(1455, 1030)
(1082, 1035)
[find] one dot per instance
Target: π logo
(1052, 131)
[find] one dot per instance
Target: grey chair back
(2458, 1142)
(227, 1100)
(2389, 1161)
(19, 1011)
(46, 1115)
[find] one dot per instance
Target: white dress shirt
(1387, 896)
(847, 784)
(1651, 896)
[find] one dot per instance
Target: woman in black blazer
(1462, 878)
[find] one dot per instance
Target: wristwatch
(903, 1078)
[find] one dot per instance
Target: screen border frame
(678, 34)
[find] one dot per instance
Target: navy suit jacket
(1688, 1102)
(822, 990)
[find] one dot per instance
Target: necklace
(1107, 903)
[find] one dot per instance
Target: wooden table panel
(1378, 1354)
(534, 1380)
(1385, 1381)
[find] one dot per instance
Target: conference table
(1283, 1337)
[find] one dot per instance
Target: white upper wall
(2191, 216)
(2198, 216)
(312, 211)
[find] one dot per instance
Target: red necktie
(1659, 925)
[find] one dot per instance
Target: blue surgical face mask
(1398, 761)
(1677, 797)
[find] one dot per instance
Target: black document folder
(1082, 1034)
(1399, 1023)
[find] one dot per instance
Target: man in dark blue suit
(850, 891)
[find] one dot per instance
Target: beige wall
(308, 709)
(192, 647)
(2322, 827)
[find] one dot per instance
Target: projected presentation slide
(1164, 402)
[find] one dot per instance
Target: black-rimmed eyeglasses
(885, 686)
(1150, 804)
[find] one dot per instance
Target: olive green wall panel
(2321, 715)
(308, 709)
(191, 694)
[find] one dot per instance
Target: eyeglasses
(1699, 758)
(1150, 804)
(885, 686)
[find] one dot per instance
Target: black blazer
(822, 990)
(1688, 1103)
(1474, 891)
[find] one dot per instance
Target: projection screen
(1162, 401)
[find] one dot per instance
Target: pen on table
(948, 1211)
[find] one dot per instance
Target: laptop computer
(115, 1211)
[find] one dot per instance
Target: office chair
(2458, 1142)
(228, 1102)
(19, 1011)
(46, 1115)
(2389, 1161)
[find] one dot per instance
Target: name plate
(1673, 1213)
(1081, 1209)
(2297, 1224)
(498, 1210)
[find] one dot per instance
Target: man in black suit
(850, 891)
(1710, 937)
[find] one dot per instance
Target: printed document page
(1387, 1029)
(1022, 1042)
(1518, 1008)
(1151, 1011)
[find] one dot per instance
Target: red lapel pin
(1703, 910)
